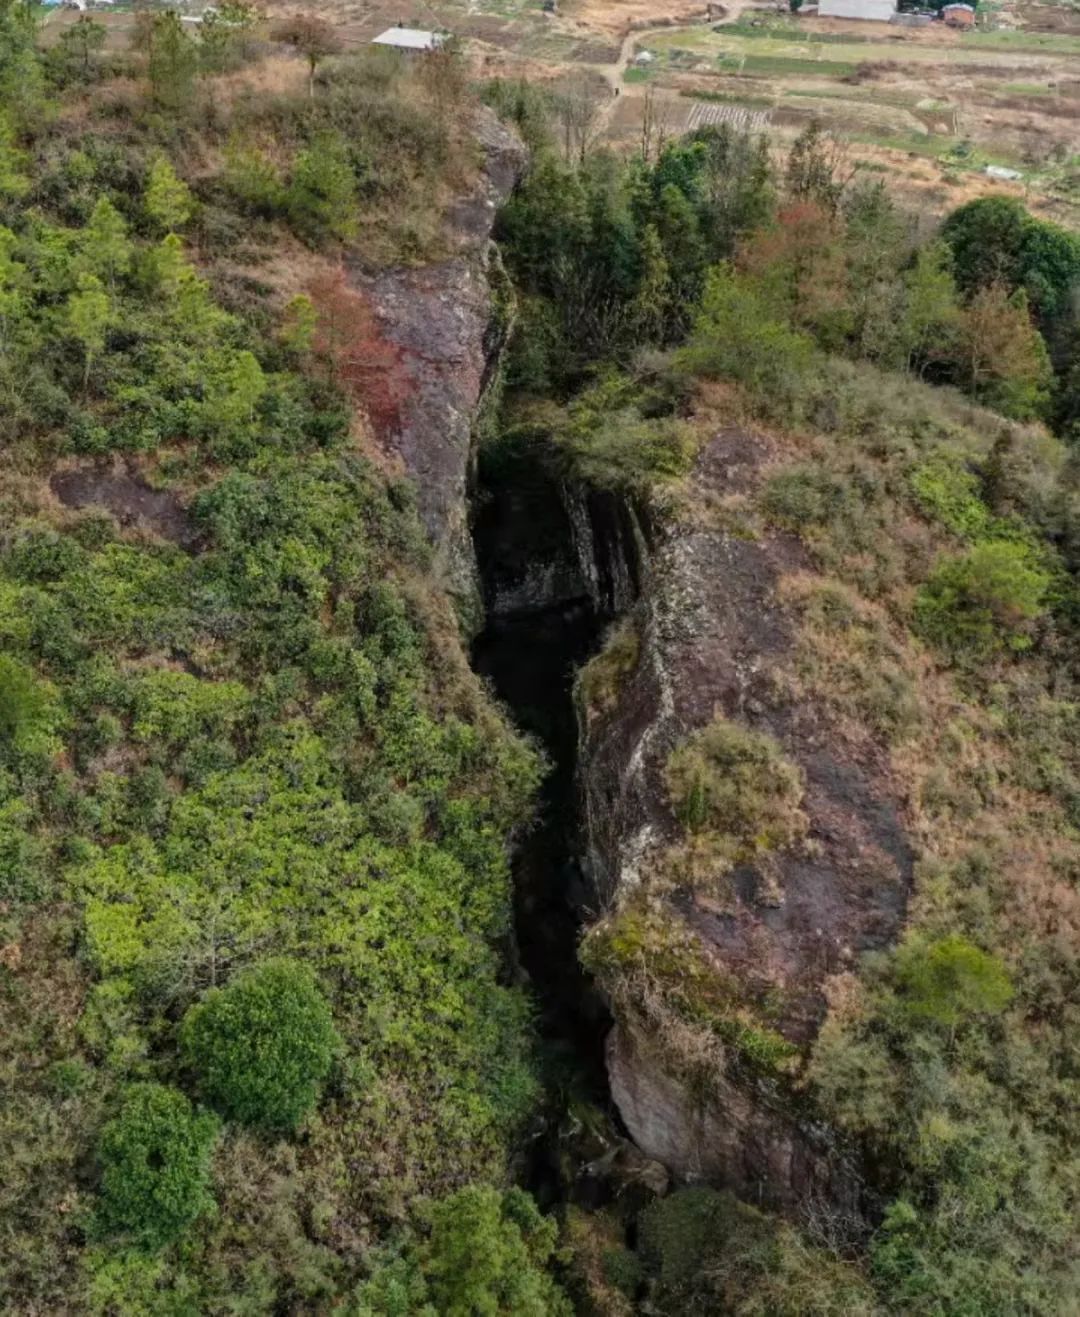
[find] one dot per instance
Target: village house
(878, 11)
(410, 40)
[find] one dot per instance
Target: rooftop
(410, 38)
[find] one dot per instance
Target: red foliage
(371, 370)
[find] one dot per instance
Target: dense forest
(264, 1045)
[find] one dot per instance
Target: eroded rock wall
(715, 639)
(442, 328)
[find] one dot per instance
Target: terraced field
(703, 113)
(932, 106)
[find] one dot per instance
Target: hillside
(257, 1001)
(537, 703)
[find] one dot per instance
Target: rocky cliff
(718, 971)
(441, 327)
(706, 1082)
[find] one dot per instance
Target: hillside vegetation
(261, 1050)
(263, 1047)
(939, 629)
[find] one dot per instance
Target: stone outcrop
(743, 1133)
(443, 326)
(715, 639)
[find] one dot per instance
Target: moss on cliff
(600, 681)
(654, 968)
(736, 794)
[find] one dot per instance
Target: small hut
(959, 15)
(410, 40)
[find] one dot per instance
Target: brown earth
(120, 490)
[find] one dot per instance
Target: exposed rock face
(743, 1135)
(442, 327)
(546, 544)
(714, 636)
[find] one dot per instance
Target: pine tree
(106, 248)
(13, 180)
(931, 311)
(298, 323)
(652, 303)
(322, 195)
(79, 46)
(87, 317)
(167, 200)
(173, 62)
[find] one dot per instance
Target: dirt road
(613, 73)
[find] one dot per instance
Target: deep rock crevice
(555, 566)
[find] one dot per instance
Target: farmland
(929, 107)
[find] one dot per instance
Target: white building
(878, 11)
(410, 39)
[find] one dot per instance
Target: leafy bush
(262, 1046)
(946, 980)
(486, 1254)
(739, 336)
(735, 786)
(26, 710)
(486, 1251)
(996, 238)
(985, 600)
(155, 1166)
(949, 493)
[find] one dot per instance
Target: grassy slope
(267, 741)
(963, 1112)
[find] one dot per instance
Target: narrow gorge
(538, 703)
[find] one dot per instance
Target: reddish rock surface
(714, 634)
(435, 338)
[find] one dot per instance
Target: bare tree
(577, 101)
(655, 125)
(312, 37)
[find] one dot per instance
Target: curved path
(613, 73)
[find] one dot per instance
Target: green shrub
(982, 601)
(738, 335)
(155, 1165)
(735, 786)
(946, 980)
(254, 180)
(623, 1270)
(486, 1254)
(25, 706)
(263, 1045)
(949, 493)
